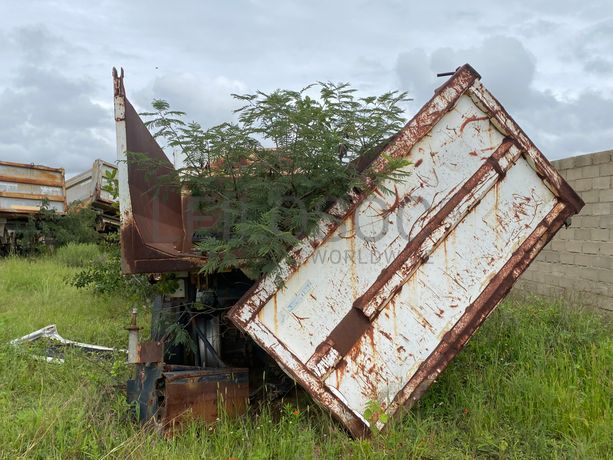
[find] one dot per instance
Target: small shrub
(47, 229)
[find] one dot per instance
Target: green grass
(535, 382)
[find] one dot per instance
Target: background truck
(24, 190)
(90, 188)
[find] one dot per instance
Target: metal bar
(487, 102)
(32, 166)
(31, 180)
(32, 196)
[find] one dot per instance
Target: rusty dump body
(24, 188)
(89, 188)
(379, 300)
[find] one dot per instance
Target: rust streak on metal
(32, 196)
(496, 111)
(477, 312)
(52, 182)
(414, 244)
(472, 120)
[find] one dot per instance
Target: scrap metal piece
(204, 394)
(169, 395)
(378, 302)
(50, 332)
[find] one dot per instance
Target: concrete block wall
(578, 263)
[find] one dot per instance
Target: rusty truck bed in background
(382, 298)
(23, 190)
(89, 188)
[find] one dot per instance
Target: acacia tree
(269, 177)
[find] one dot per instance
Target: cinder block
(601, 183)
(564, 164)
(605, 222)
(574, 174)
(584, 260)
(601, 209)
(606, 169)
(587, 273)
(571, 246)
(567, 258)
(592, 196)
(590, 171)
(605, 276)
(583, 160)
(583, 185)
(565, 234)
(605, 195)
(584, 220)
(583, 234)
(603, 262)
(607, 248)
(601, 157)
(599, 234)
(590, 247)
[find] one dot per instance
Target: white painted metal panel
(342, 269)
(437, 295)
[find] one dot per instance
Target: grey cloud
(205, 100)
(559, 127)
(594, 46)
(48, 117)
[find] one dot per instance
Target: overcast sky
(550, 62)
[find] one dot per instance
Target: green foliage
(269, 178)
(102, 274)
(47, 229)
(78, 254)
(534, 382)
(374, 413)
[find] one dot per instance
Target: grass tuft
(77, 255)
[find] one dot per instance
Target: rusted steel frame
(173, 376)
(503, 121)
(357, 426)
(163, 265)
(455, 339)
(32, 166)
(444, 99)
(438, 227)
(147, 249)
(31, 180)
(32, 196)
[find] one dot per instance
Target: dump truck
(24, 190)
(378, 300)
(90, 188)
